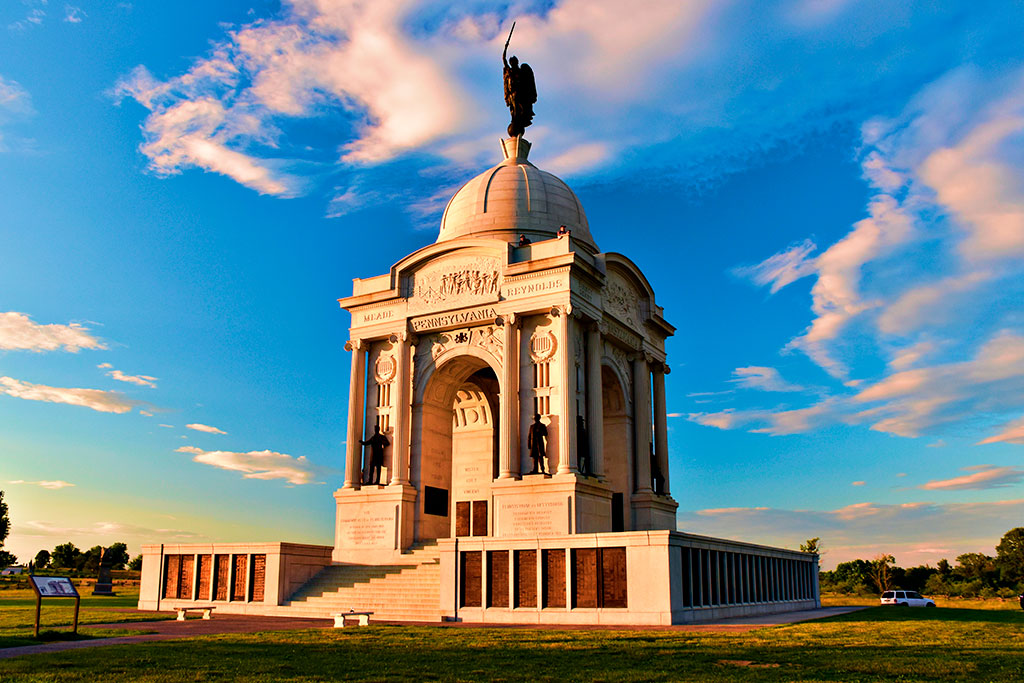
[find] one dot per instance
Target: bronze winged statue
(520, 90)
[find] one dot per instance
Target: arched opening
(618, 447)
(455, 449)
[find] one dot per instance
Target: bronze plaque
(238, 589)
(259, 578)
(185, 578)
(554, 578)
(203, 568)
(220, 577)
(479, 517)
(526, 578)
(613, 577)
(172, 570)
(462, 518)
(471, 583)
(584, 577)
(497, 578)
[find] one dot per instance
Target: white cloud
(930, 303)
(260, 464)
(582, 157)
(908, 356)
(102, 401)
(19, 333)
(166, 426)
(205, 428)
(857, 483)
(1012, 432)
(141, 380)
(763, 378)
(74, 15)
(986, 477)
(782, 268)
(56, 484)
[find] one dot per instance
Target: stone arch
(460, 377)
(617, 440)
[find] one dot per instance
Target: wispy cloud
(763, 378)
(915, 532)
(96, 399)
(18, 332)
(56, 484)
(205, 428)
(141, 380)
(73, 14)
(782, 268)
(1011, 432)
(986, 477)
(260, 464)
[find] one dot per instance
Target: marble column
(356, 401)
(660, 423)
(595, 401)
(566, 395)
(508, 436)
(400, 437)
(642, 422)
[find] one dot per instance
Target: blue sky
(827, 197)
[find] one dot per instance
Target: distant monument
(104, 584)
(520, 91)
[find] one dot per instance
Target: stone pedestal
(539, 506)
(651, 511)
(373, 524)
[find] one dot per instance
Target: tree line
(973, 575)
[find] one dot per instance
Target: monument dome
(515, 198)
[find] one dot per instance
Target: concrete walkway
(237, 623)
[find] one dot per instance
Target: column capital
(354, 344)
(400, 336)
(507, 319)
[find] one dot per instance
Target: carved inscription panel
(366, 527)
(540, 517)
(622, 300)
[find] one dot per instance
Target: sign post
(54, 587)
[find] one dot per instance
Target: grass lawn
(18, 616)
(916, 644)
(836, 600)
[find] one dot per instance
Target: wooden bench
(207, 611)
(339, 618)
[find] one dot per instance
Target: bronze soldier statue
(535, 441)
(377, 443)
(520, 91)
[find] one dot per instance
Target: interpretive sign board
(54, 587)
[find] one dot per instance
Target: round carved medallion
(385, 369)
(542, 346)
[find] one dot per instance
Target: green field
(18, 614)
(943, 644)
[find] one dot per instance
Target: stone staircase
(408, 590)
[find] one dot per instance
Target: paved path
(237, 623)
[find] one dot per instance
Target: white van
(906, 599)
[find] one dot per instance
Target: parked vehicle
(906, 599)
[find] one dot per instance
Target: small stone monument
(104, 584)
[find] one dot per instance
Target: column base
(373, 524)
(651, 511)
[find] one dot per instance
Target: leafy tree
(943, 568)
(136, 563)
(42, 559)
(65, 556)
(1010, 556)
(916, 578)
(118, 555)
(976, 567)
(813, 545)
(881, 572)
(6, 558)
(89, 561)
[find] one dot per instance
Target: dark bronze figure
(582, 445)
(520, 91)
(536, 441)
(377, 443)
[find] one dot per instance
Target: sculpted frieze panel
(622, 300)
(454, 283)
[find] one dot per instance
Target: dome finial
(520, 90)
(516, 149)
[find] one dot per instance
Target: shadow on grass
(51, 636)
(925, 614)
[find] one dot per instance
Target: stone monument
(510, 344)
(104, 584)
